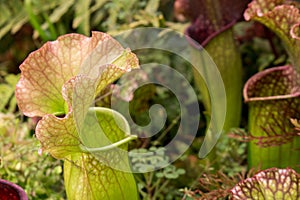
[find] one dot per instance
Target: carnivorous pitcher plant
(274, 94)
(211, 27)
(58, 83)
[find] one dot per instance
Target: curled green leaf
(59, 83)
(102, 169)
(45, 71)
(68, 73)
(87, 178)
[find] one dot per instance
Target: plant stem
(157, 191)
(109, 147)
(164, 133)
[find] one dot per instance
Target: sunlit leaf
(5, 92)
(62, 79)
(91, 175)
(46, 70)
(99, 181)
(78, 130)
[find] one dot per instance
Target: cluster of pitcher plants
(60, 81)
(272, 94)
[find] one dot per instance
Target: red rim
(11, 191)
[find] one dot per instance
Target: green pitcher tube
(224, 53)
(273, 98)
(215, 34)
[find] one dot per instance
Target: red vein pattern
(282, 17)
(62, 78)
(269, 184)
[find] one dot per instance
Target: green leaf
(152, 6)
(45, 71)
(6, 92)
(106, 165)
(72, 134)
(64, 77)
(269, 184)
(101, 174)
(87, 178)
(82, 19)
(12, 79)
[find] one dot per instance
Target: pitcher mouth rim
(268, 98)
(19, 190)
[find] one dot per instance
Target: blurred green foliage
(40, 176)
(155, 182)
(51, 18)
(27, 24)
(7, 88)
